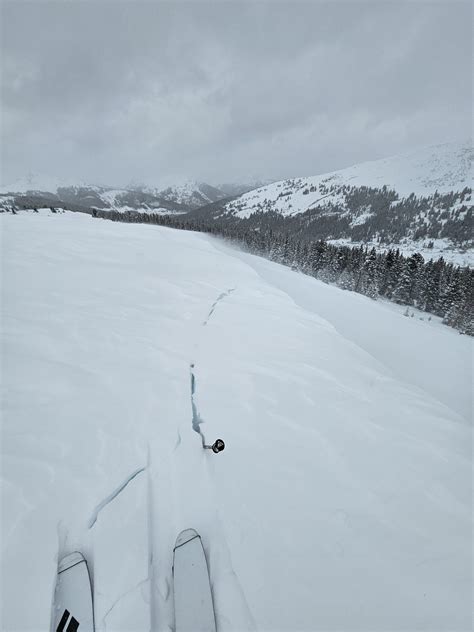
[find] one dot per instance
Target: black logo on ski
(72, 625)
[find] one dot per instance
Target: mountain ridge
(416, 199)
(443, 168)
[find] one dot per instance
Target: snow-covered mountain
(190, 193)
(439, 168)
(343, 498)
(178, 198)
(419, 202)
(49, 191)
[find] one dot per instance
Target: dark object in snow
(216, 447)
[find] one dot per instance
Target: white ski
(193, 604)
(73, 604)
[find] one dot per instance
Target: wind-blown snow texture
(343, 498)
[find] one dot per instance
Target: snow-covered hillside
(343, 498)
(418, 202)
(441, 168)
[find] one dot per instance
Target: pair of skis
(73, 604)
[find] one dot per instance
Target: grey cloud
(147, 91)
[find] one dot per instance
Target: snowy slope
(342, 500)
(441, 168)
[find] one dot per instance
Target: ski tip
(70, 560)
(185, 536)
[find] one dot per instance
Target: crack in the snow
(178, 442)
(130, 590)
(214, 305)
(108, 499)
(196, 419)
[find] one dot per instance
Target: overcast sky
(114, 92)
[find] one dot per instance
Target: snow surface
(442, 168)
(343, 498)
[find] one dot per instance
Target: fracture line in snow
(119, 598)
(218, 300)
(113, 495)
(178, 442)
(196, 419)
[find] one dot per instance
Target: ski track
(108, 499)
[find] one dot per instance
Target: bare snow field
(343, 500)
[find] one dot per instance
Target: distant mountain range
(36, 190)
(39, 191)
